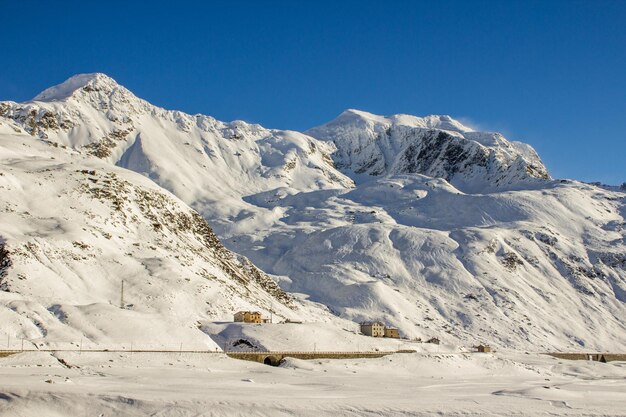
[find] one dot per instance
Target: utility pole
(122, 296)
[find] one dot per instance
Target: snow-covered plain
(419, 384)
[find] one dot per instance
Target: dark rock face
(439, 151)
(5, 264)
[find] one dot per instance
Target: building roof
(370, 323)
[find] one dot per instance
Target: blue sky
(550, 73)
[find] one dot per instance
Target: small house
(373, 328)
(248, 317)
(484, 348)
(392, 332)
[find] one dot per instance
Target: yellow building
(248, 317)
(484, 348)
(392, 332)
(373, 328)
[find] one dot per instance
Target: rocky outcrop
(436, 146)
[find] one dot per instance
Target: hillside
(74, 228)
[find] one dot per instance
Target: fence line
(229, 352)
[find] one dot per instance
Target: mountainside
(421, 222)
(74, 228)
(533, 269)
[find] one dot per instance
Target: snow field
(398, 385)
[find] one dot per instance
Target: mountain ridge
(437, 146)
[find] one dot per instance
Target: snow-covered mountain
(422, 222)
(188, 155)
(437, 146)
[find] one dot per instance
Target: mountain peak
(358, 113)
(437, 146)
(86, 82)
(352, 116)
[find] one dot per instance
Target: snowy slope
(73, 228)
(448, 232)
(535, 268)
